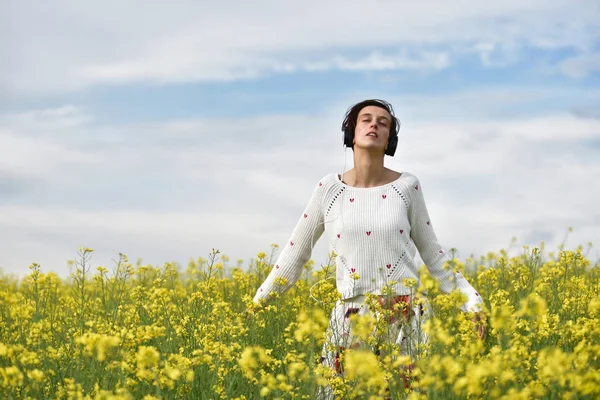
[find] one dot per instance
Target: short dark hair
(352, 115)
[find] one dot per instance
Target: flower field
(143, 332)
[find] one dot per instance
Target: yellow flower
(508, 375)
(172, 373)
(11, 376)
(189, 376)
(363, 326)
(147, 359)
(594, 307)
(363, 366)
(35, 375)
(552, 366)
(252, 359)
(311, 326)
(409, 282)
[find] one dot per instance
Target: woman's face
(372, 128)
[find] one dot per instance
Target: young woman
(374, 219)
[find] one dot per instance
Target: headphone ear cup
(392, 144)
(348, 138)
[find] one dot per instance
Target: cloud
(175, 189)
(592, 111)
(376, 61)
(11, 185)
(51, 236)
(581, 66)
(71, 46)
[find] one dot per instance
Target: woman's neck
(368, 171)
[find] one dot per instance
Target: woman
(373, 218)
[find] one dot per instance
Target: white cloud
(581, 66)
(174, 190)
(51, 236)
(72, 45)
(376, 61)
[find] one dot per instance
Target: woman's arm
(433, 254)
(298, 249)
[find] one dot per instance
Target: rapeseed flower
(363, 368)
(143, 331)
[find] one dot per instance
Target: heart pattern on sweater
(388, 266)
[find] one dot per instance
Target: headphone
(349, 124)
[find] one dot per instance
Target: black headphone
(348, 126)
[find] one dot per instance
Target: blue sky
(163, 131)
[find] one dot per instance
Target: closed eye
(382, 122)
(367, 118)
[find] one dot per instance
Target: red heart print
(277, 267)
(261, 289)
(320, 184)
(384, 195)
(388, 266)
(291, 243)
(427, 222)
(369, 233)
(305, 215)
(441, 252)
(353, 269)
(417, 187)
(338, 235)
(351, 200)
(401, 231)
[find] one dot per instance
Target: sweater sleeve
(298, 249)
(433, 254)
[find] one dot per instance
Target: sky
(163, 130)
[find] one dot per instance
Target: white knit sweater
(374, 232)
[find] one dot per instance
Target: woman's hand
(250, 310)
(480, 322)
